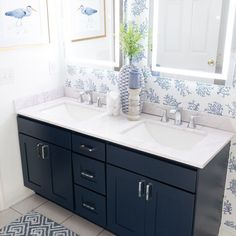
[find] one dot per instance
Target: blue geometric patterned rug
(35, 224)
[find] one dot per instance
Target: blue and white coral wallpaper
(197, 96)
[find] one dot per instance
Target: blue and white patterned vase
(124, 78)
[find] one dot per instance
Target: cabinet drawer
(88, 146)
(173, 174)
(45, 132)
(89, 173)
(90, 205)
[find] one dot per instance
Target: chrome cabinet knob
(148, 192)
(141, 188)
(45, 151)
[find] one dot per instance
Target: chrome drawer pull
(44, 151)
(39, 149)
(141, 188)
(87, 148)
(88, 207)
(89, 176)
(148, 192)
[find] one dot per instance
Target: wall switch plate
(7, 76)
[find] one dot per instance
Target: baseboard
(224, 231)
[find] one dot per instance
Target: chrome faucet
(178, 115)
(81, 97)
(89, 93)
(192, 122)
(164, 117)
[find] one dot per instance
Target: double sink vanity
(132, 178)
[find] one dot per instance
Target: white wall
(24, 71)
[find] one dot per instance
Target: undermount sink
(70, 111)
(165, 134)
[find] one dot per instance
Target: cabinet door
(125, 202)
(36, 170)
(169, 210)
(47, 169)
(61, 171)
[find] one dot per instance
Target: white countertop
(112, 129)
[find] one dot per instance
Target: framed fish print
(88, 19)
(23, 23)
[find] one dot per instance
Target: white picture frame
(24, 23)
(88, 19)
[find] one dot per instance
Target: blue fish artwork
(20, 13)
(87, 10)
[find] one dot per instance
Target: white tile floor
(60, 215)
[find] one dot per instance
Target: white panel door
(188, 33)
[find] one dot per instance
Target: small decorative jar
(134, 78)
(134, 104)
(113, 103)
(134, 94)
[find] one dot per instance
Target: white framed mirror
(192, 38)
(91, 32)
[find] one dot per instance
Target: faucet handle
(99, 102)
(164, 116)
(176, 109)
(81, 98)
(173, 111)
(192, 122)
(89, 93)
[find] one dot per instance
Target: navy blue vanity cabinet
(61, 174)
(140, 206)
(125, 202)
(89, 169)
(36, 170)
(89, 173)
(90, 205)
(47, 167)
(89, 147)
(169, 211)
(149, 196)
(126, 191)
